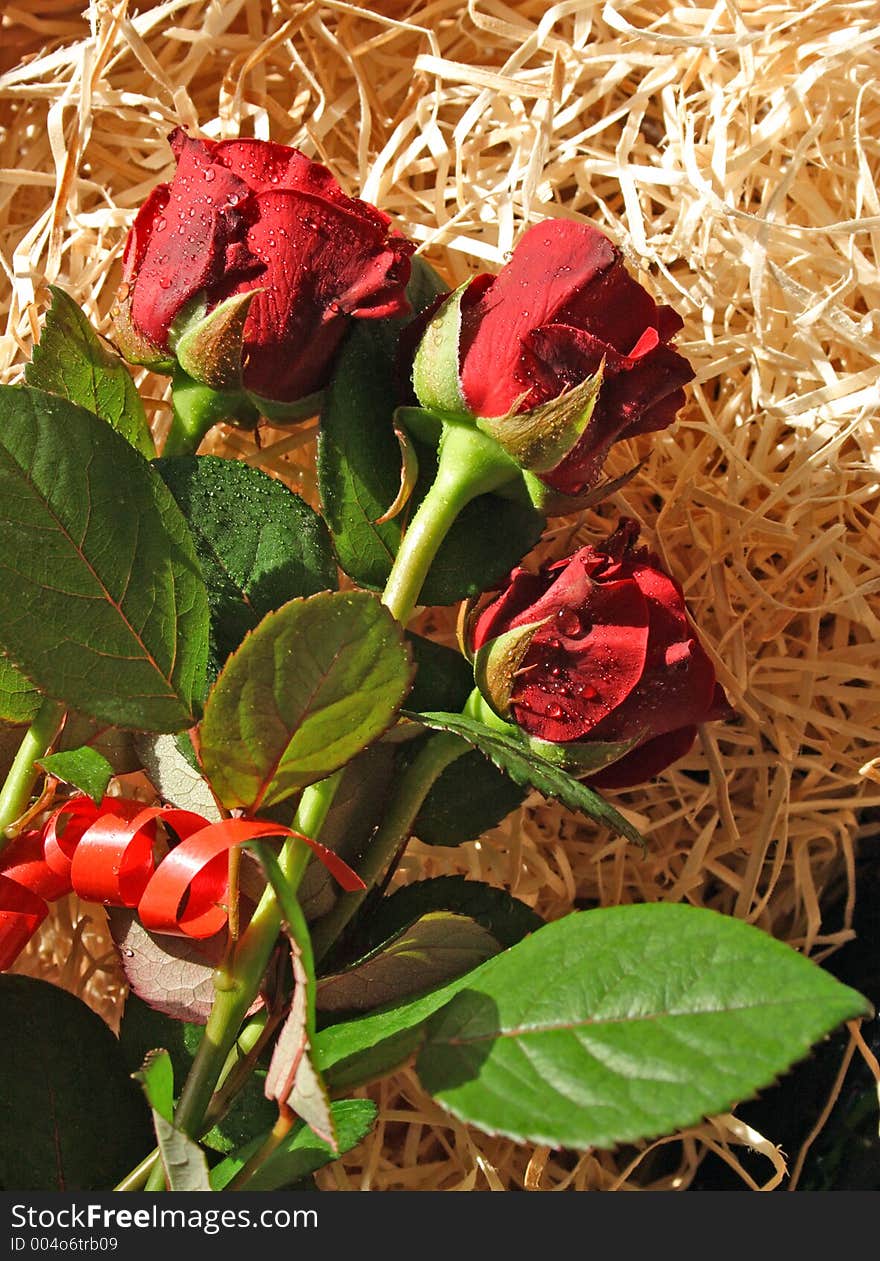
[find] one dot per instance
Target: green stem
(469, 464)
(137, 1179)
(23, 774)
(197, 408)
(415, 783)
(237, 986)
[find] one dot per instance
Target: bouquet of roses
(185, 616)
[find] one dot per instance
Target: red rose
(614, 658)
(562, 305)
(244, 215)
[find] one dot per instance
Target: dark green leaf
(186, 1168)
(506, 918)
(301, 1152)
(259, 544)
(70, 1117)
(73, 361)
(314, 684)
(358, 804)
(19, 700)
(527, 769)
(102, 604)
(435, 948)
(367, 1044)
(470, 797)
(443, 681)
(83, 768)
(619, 1024)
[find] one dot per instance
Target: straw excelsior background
(730, 148)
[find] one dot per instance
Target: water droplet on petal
(164, 282)
(210, 174)
(161, 224)
(568, 622)
(553, 710)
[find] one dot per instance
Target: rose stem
(438, 752)
(239, 1064)
(197, 408)
(239, 983)
(469, 464)
(23, 774)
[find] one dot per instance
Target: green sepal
(497, 662)
(554, 503)
(209, 348)
(541, 438)
(582, 758)
(436, 379)
(279, 413)
(130, 343)
(422, 425)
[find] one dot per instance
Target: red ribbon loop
(106, 854)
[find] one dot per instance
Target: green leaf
(183, 1160)
(301, 1152)
(102, 604)
(353, 1051)
(615, 1025)
(71, 1119)
(73, 361)
(528, 769)
(435, 948)
(443, 681)
(470, 797)
(83, 768)
(314, 684)
(258, 544)
(19, 701)
(505, 917)
(359, 474)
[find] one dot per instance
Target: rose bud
(557, 357)
(248, 267)
(597, 650)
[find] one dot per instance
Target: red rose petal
(552, 262)
(185, 253)
(645, 761)
(320, 265)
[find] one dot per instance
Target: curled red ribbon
(105, 854)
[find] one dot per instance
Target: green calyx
(498, 662)
(435, 376)
(540, 439)
(209, 346)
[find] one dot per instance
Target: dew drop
(553, 710)
(233, 199)
(586, 691)
(161, 224)
(568, 622)
(165, 282)
(129, 954)
(210, 174)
